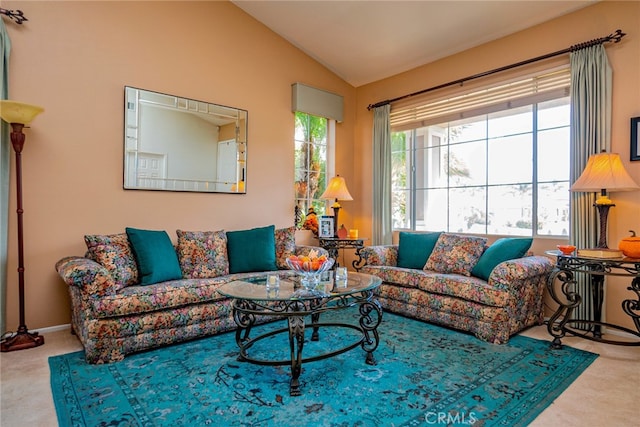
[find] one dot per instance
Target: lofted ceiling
(365, 41)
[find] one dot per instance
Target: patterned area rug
(425, 376)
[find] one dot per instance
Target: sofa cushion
(465, 288)
(501, 250)
(114, 253)
(169, 295)
(285, 245)
(202, 254)
(454, 253)
(156, 258)
(252, 250)
(166, 295)
(414, 248)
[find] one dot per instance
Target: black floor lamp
(18, 115)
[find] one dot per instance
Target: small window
(312, 149)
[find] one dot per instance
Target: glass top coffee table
(252, 300)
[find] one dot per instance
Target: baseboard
(50, 329)
(619, 333)
(610, 331)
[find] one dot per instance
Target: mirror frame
(157, 129)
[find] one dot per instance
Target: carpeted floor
(425, 375)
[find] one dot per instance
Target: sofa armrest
(380, 255)
(510, 273)
(305, 249)
(92, 278)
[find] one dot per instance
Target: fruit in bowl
(566, 249)
(309, 263)
(309, 267)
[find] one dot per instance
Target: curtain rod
(15, 15)
(615, 37)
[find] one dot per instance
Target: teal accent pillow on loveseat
(414, 248)
(501, 250)
(252, 250)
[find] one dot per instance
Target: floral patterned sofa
(120, 305)
(459, 282)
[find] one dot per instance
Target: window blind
(429, 109)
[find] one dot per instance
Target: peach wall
(74, 59)
(589, 23)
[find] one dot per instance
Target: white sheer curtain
(5, 153)
(382, 223)
(591, 87)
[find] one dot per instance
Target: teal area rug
(425, 376)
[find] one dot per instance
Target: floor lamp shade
(336, 190)
(604, 172)
(18, 114)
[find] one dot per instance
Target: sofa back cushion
(252, 250)
(202, 254)
(454, 253)
(155, 255)
(114, 253)
(501, 250)
(285, 245)
(414, 248)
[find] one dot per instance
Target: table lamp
(337, 190)
(18, 115)
(604, 171)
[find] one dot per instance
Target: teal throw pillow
(155, 255)
(414, 248)
(501, 250)
(252, 250)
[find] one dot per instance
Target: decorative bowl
(566, 249)
(309, 269)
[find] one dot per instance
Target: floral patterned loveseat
(118, 307)
(459, 282)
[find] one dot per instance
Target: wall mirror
(173, 143)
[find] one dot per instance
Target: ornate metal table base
(562, 322)
(245, 313)
(334, 244)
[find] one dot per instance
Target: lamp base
(22, 340)
(603, 213)
(336, 211)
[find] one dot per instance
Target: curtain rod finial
(16, 16)
(617, 35)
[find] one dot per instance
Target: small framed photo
(635, 138)
(325, 226)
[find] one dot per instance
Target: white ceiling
(365, 41)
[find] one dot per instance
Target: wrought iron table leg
(369, 325)
(632, 307)
(597, 291)
(245, 322)
(296, 342)
(315, 335)
(558, 320)
(359, 262)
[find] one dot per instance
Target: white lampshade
(337, 189)
(18, 112)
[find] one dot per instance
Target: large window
(311, 155)
(505, 172)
